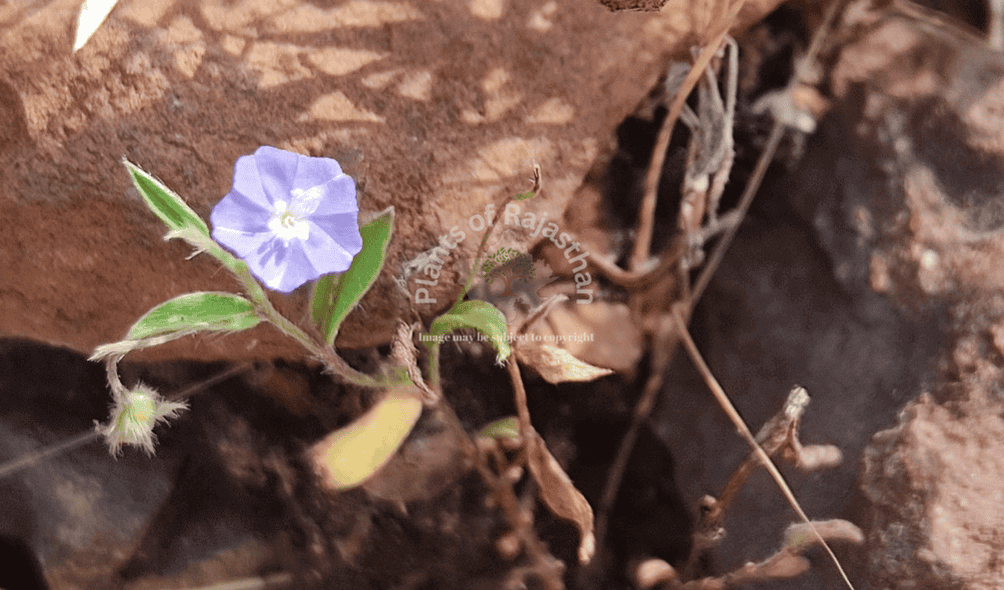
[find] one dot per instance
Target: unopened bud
(135, 413)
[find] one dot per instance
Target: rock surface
(917, 218)
(435, 108)
(934, 484)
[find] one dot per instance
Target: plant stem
(434, 366)
(326, 354)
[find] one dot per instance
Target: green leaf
(507, 427)
(166, 204)
(323, 298)
(477, 314)
(196, 312)
(332, 301)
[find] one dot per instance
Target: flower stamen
(287, 224)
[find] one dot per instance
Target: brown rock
(921, 102)
(916, 135)
(436, 108)
(937, 502)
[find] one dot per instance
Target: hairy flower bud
(135, 413)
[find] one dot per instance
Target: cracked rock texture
(435, 108)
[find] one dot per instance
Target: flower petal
(238, 226)
(332, 243)
(277, 170)
(243, 244)
(310, 195)
(340, 197)
(305, 202)
(343, 229)
(236, 212)
(282, 268)
(315, 172)
(247, 184)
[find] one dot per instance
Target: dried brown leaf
(557, 365)
(560, 495)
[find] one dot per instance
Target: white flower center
(288, 223)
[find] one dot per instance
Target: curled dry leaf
(782, 566)
(557, 365)
(788, 561)
(560, 495)
(601, 334)
(798, 536)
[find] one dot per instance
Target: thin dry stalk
(664, 340)
(787, 562)
(779, 436)
(723, 400)
(538, 185)
(709, 268)
(520, 519)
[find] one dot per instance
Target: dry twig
(761, 454)
(519, 515)
(778, 436)
(646, 215)
(651, 285)
(786, 562)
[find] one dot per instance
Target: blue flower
(291, 218)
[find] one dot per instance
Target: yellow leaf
(349, 456)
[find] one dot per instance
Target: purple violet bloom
(292, 218)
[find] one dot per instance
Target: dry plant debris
(556, 489)
(787, 562)
(557, 365)
(660, 293)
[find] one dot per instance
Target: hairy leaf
(167, 205)
(479, 315)
(195, 312)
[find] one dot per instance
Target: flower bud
(134, 415)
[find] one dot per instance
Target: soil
(865, 271)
